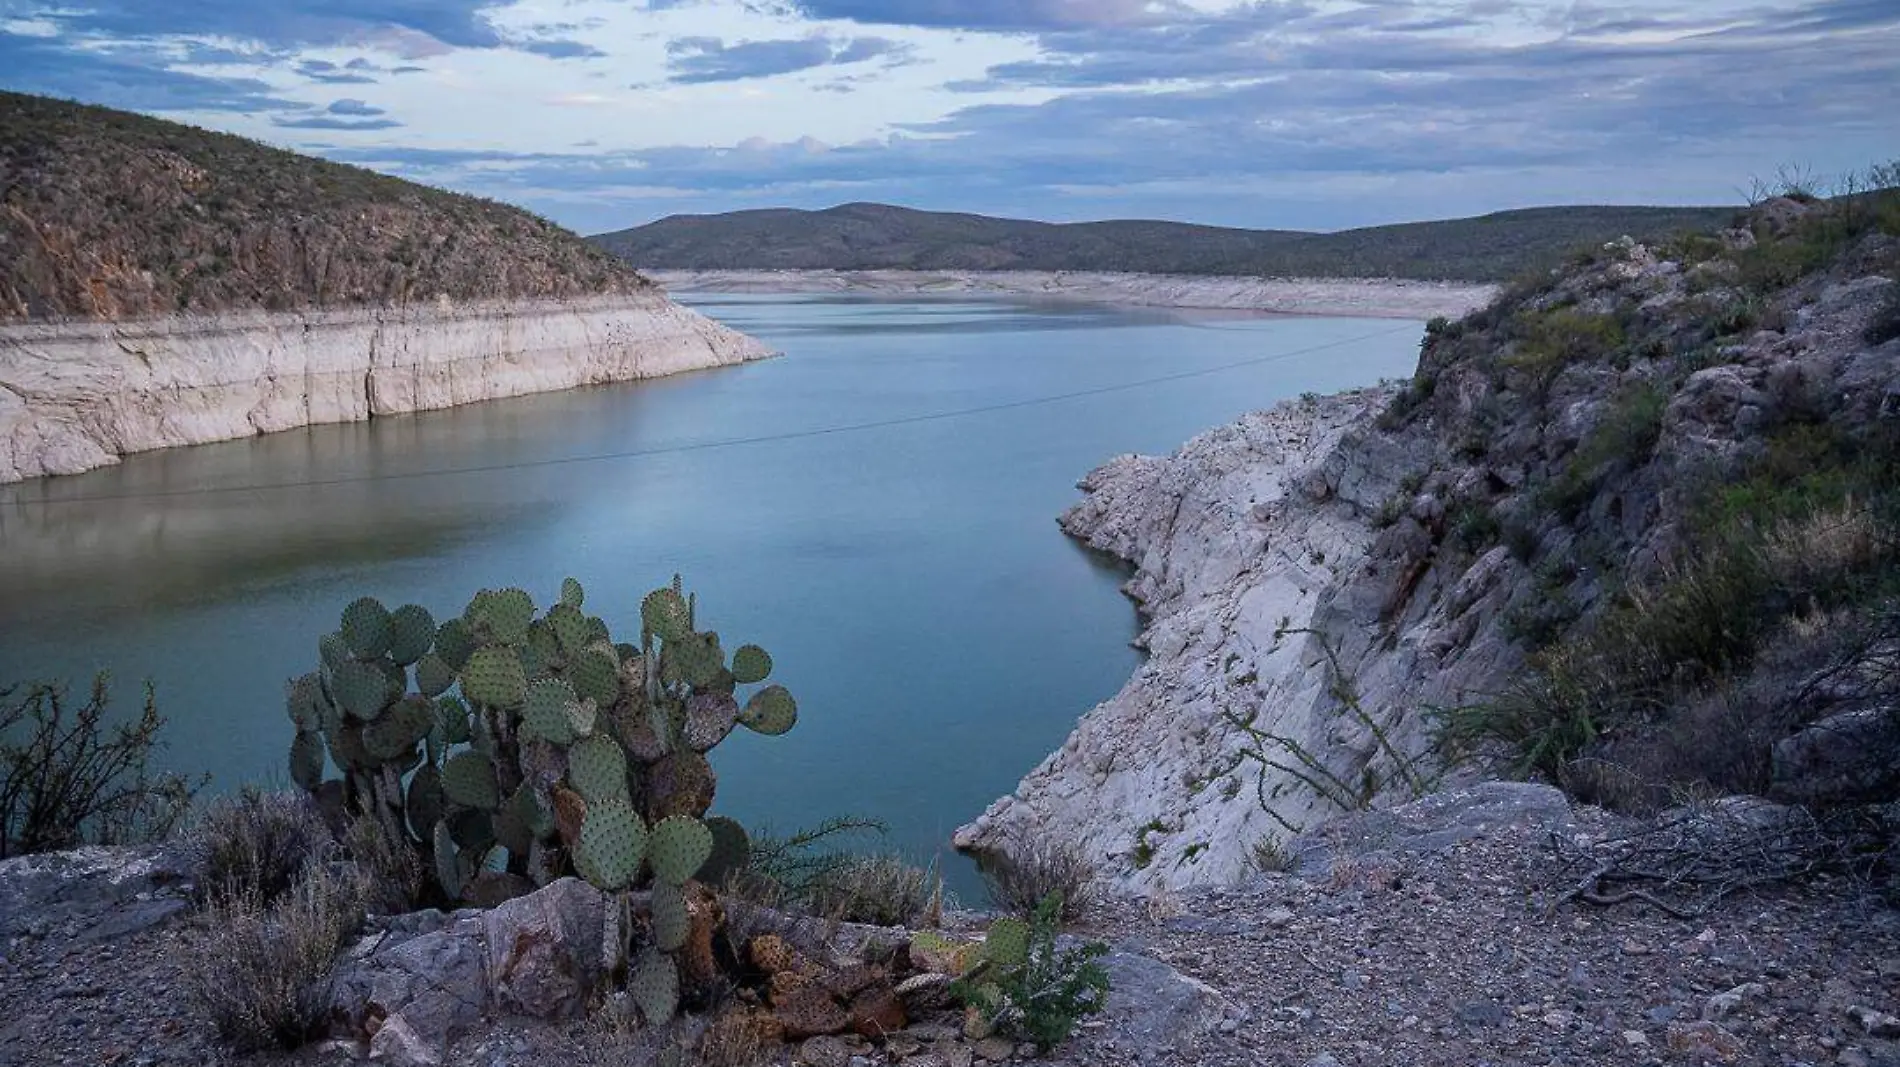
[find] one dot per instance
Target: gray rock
(544, 950)
(1159, 1005)
(1436, 823)
(1481, 1013)
(399, 1045)
(432, 976)
(1845, 759)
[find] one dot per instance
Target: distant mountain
(879, 236)
(107, 214)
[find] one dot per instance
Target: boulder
(1845, 759)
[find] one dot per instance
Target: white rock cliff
(75, 396)
(1259, 571)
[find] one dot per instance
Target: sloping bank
(78, 395)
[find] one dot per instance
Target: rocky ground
(1423, 936)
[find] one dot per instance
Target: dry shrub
(69, 776)
(395, 879)
(879, 890)
(740, 1037)
(256, 845)
(262, 973)
(1021, 880)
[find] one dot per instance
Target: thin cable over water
(703, 446)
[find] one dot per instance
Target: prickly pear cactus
(537, 732)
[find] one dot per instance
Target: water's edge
(77, 396)
(1354, 297)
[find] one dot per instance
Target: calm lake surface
(941, 634)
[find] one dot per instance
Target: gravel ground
(1446, 956)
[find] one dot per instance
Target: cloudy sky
(1309, 114)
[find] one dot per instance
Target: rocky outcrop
(1267, 585)
(77, 395)
(1317, 579)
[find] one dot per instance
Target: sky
(1303, 114)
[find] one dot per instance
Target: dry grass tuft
(262, 974)
(1021, 881)
(256, 845)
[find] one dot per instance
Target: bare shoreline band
(1357, 297)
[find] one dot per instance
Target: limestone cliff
(1650, 483)
(77, 395)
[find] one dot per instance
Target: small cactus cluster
(537, 746)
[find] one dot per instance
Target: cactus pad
(549, 713)
(671, 922)
(468, 779)
(655, 987)
(679, 848)
(709, 718)
(493, 676)
(771, 711)
(451, 720)
(681, 784)
(751, 665)
(394, 735)
(306, 760)
(612, 843)
(332, 652)
(502, 616)
(346, 748)
(572, 594)
(633, 728)
(1007, 943)
(473, 830)
(362, 689)
(542, 654)
(411, 632)
(433, 675)
(731, 851)
(365, 628)
(424, 801)
(520, 821)
(303, 699)
(450, 871)
(596, 674)
(453, 643)
(569, 627)
(693, 659)
(598, 770)
(666, 615)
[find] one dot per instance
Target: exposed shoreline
(1356, 297)
(75, 396)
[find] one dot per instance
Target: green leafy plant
(1027, 985)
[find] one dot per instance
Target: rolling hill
(105, 214)
(882, 237)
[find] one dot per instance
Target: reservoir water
(877, 508)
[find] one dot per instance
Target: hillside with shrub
(881, 237)
(1686, 455)
(105, 214)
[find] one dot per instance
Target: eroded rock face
(74, 396)
(1316, 578)
(1260, 563)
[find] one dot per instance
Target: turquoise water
(877, 509)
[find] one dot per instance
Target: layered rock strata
(78, 395)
